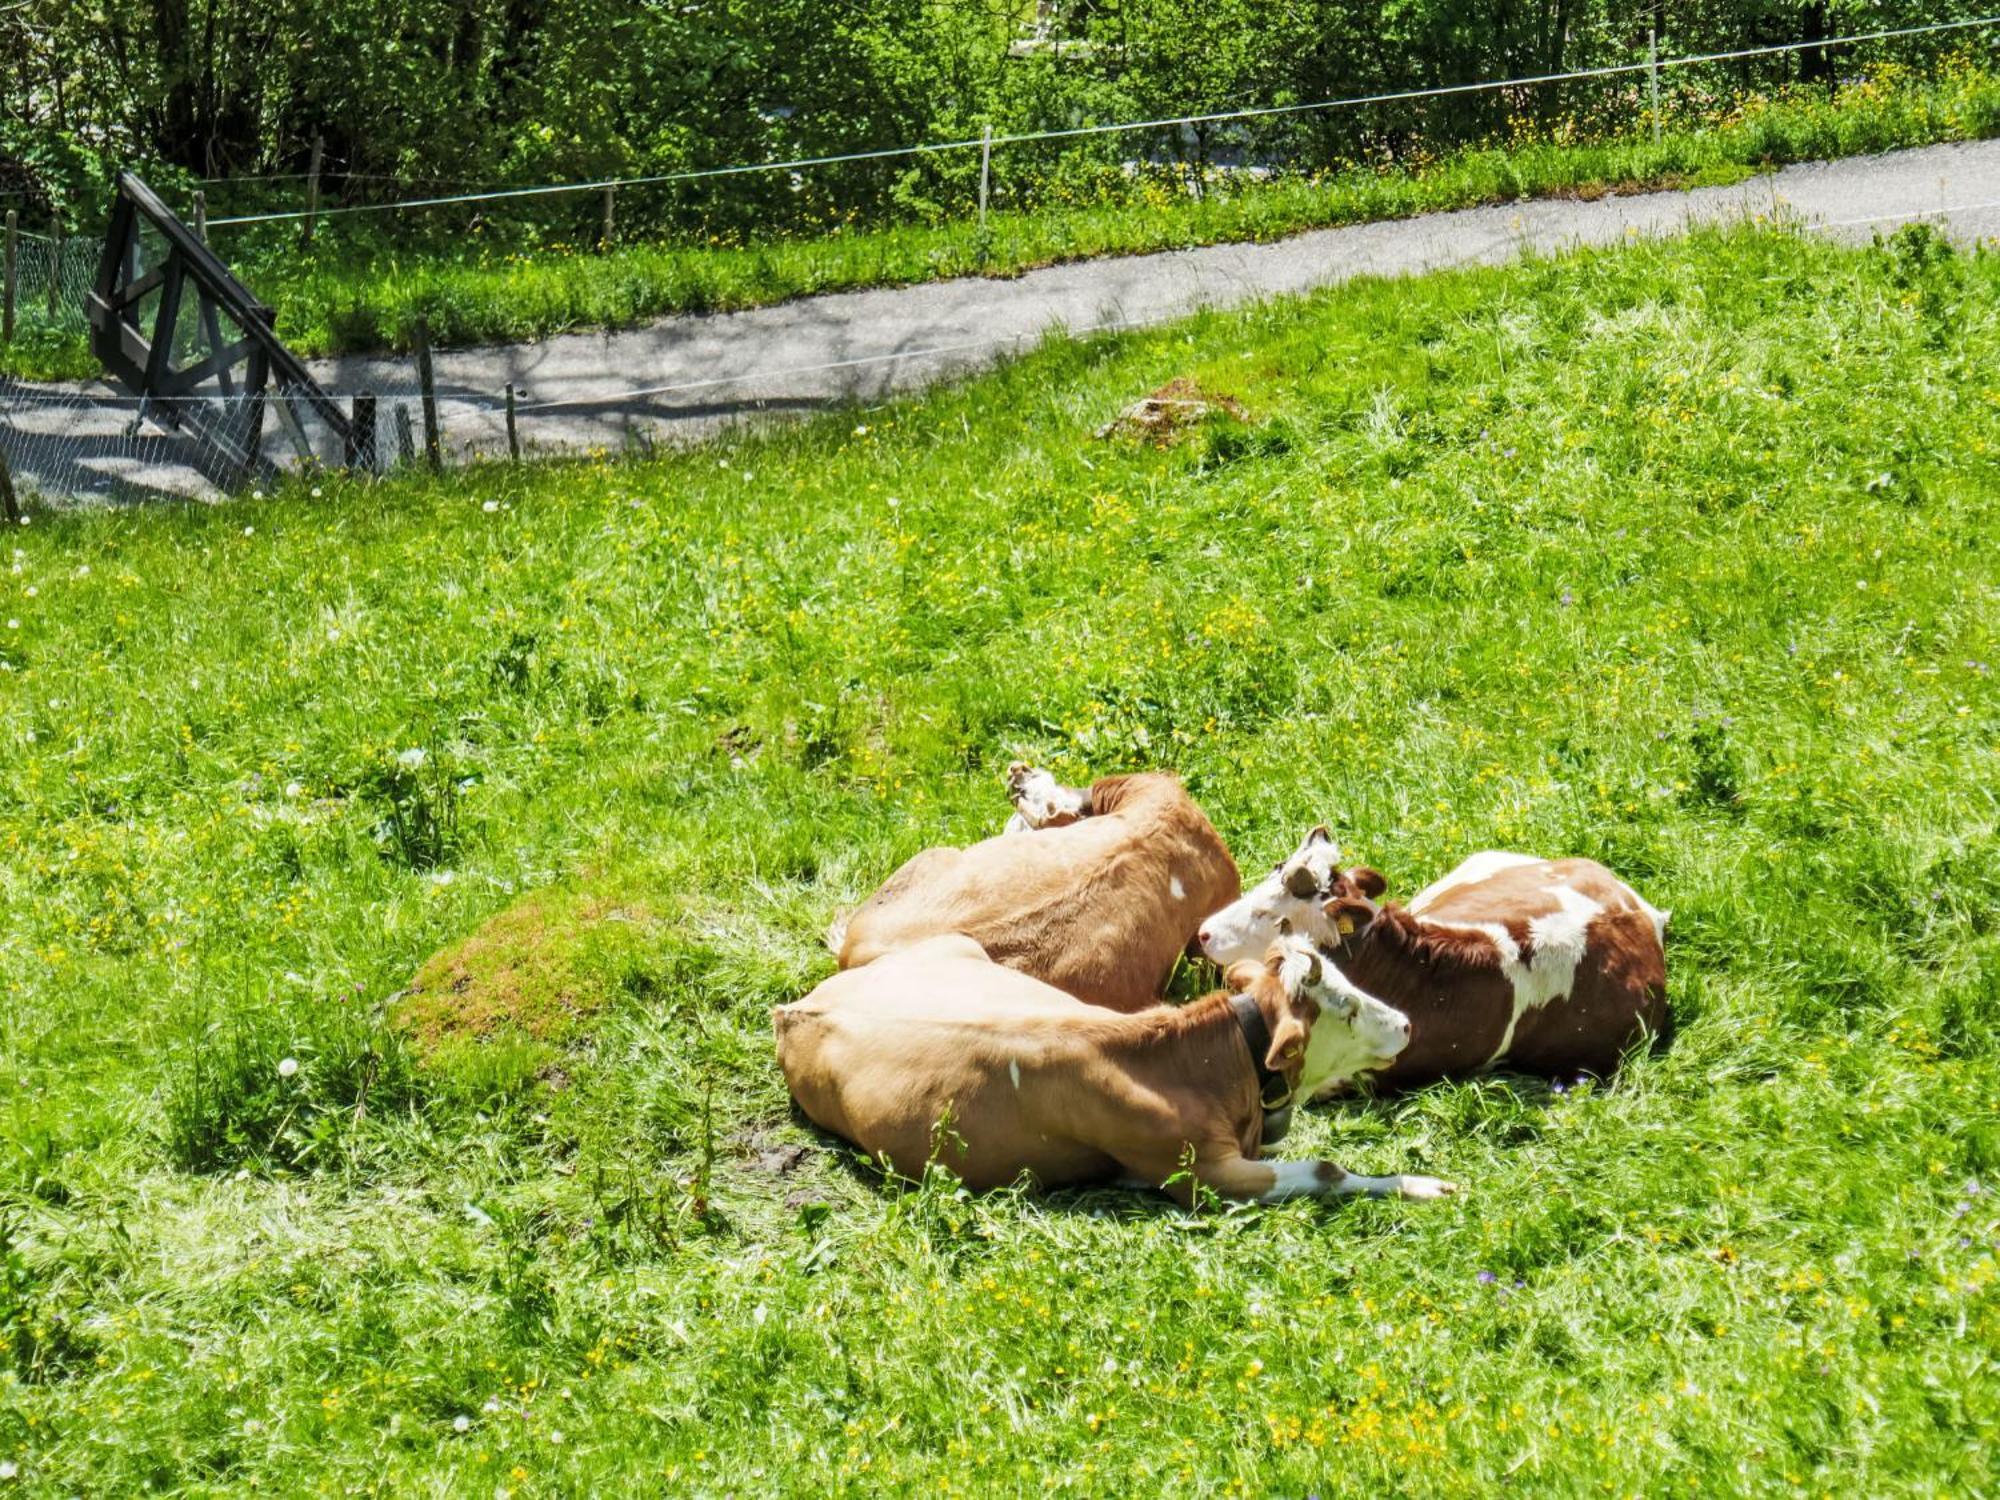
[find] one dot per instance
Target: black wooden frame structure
(136, 345)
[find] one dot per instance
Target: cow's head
(1324, 1029)
(1309, 890)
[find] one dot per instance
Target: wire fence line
(1904, 216)
(986, 143)
(97, 442)
(89, 445)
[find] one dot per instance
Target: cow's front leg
(1236, 1176)
(1040, 801)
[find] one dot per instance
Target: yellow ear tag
(1345, 924)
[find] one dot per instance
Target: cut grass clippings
(1679, 555)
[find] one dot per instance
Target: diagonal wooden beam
(180, 382)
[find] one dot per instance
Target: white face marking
(1245, 929)
(1014, 1070)
(1175, 888)
(1353, 1034)
(1040, 800)
(1471, 871)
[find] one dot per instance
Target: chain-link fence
(70, 438)
(98, 443)
(50, 276)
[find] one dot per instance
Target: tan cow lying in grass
(1545, 966)
(1099, 897)
(936, 1052)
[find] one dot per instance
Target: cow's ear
(1319, 835)
(1288, 1042)
(1372, 882)
(1348, 915)
(1240, 976)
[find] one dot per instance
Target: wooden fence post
(9, 275)
(201, 215)
(406, 445)
(361, 438)
(610, 213)
(9, 506)
(427, 386)
(55, 264)
(312, 191)
(513, 433)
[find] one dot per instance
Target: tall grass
(1680, 556)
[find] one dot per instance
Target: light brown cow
(936, 1053)
(1098, 898)
(1543, 966)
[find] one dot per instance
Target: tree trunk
(177, 131)
(1815, 63)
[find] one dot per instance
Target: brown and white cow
(1543, 966)
(934, 1052)
(1098, 897)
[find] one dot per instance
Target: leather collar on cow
(1274, 1090)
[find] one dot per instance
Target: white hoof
(1424, 1187)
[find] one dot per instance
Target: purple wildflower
(1487, 1278)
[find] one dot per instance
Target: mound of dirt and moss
(535, 972)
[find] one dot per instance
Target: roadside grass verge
(371, 299)
(359, 292)
(1681, 556)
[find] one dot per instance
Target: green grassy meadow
(1681, 556)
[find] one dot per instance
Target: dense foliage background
(414, 95)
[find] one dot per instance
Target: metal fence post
(985, 171)
(1653, 76)
(513, 433)
(11, 272)
(312, 191)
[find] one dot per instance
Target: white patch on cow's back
(1557, 942)
(1014, 1070)
(1175, 888)
(1469, 872)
